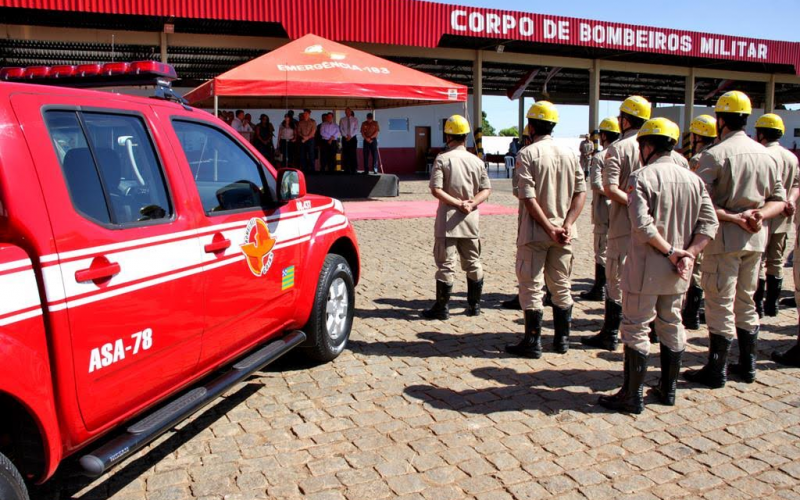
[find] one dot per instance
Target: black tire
(12, 487)
(321, 345)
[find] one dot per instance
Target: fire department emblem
(257, 247)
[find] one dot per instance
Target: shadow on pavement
(69, 480)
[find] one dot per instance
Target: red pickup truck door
(127, 265)
(252, 254)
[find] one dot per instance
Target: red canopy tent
(312, 72)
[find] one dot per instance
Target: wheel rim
(336, 309)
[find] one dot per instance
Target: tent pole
(216, 105)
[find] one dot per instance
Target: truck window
(227, 177)
(110, 166)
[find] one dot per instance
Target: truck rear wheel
(12, 487)
(332, 315)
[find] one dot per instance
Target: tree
(486, 127)
(510, 132)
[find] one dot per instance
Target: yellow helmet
(456, 125)
(660, 126)
(771, 120)
(543, 110)
(636, 106)
(734, 102)
(609, 125)
(704, 125)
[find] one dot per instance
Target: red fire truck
(150, 259)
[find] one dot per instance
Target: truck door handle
(96, 273)
(217, 246)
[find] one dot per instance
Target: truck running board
(146, 430)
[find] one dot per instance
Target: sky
(769, 19)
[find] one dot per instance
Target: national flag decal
(288, 278)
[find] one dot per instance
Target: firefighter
(667, 206)
(703, 131)
(460, 182)
(552, 190)
(744, 183)
(609, 132)
(769, 129)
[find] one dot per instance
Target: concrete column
(477, 92)
(522, 121)
(164, 48)
(769, 99)
(594, 95)
(688, 101)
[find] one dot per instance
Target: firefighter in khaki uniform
(792, 356)
(672, 220)
(460, 182)
(703, 131)
(552, 189)
(609, 132)
(745, 186)
(769, 129)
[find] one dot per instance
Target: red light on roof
(63, 71)
(89, 70)
(37, 72)
(12, 73)
(119, 68)
(153, 67)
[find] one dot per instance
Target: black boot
(632, 401)
(670, 367)
(622, 393)
(474, 291)
(758, 297)
(512, 304)
(790, 357)
(715, 373)
(608, 338)
(598, 291)
(789, 302)
(440, 310)
(548, 298)
(531, 345)
(562, 320)
(746, 367)
(774, 285)
(691, 310)
(653, 335)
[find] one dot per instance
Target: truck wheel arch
(22, 441)
(344, 246)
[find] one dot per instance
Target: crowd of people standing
(657, 218)
(302, 143)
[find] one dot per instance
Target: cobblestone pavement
(423, 409)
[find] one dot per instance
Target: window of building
(110, 166)
(398, 124)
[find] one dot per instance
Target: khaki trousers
(696, 273)
(616, 254)
(468, 250)
(638, 311)
(729, 281)
(600, 245)
(774, 257)
(543, 263)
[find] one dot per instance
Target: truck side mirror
(291, 184)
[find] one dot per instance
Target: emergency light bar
(94, 75)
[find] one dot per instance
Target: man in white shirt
(238, 121)
(329, 132)
(348, 126)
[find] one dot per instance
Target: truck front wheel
(12, 487)
(332, 316)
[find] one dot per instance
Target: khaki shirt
(306, 128)
(694, 161)
(622, 159)
(740, 175)
(552, 175)
(787, 165)
(462, 175)
(667, 199)
(369, 129)
(600, 203)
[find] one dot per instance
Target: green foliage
(488, 130)
(510, 132)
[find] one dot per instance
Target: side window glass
(227, 178)
(110, 166)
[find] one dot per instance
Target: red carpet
(375, 210)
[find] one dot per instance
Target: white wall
(790, 118)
